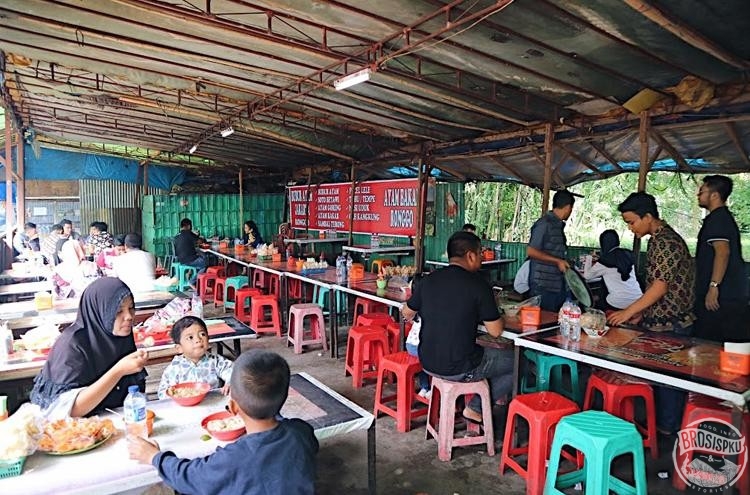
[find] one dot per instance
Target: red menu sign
(380, 207)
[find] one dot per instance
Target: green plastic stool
(600, 437)
(235, 283)
(319, 297)
(549, 375)
(183, 274)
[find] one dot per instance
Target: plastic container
(134, 412)
(12, 467)
(531, 315)
(734, 363)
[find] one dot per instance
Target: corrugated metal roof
(468, 85)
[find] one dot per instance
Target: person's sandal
(471, 415)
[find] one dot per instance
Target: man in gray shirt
(547, 250)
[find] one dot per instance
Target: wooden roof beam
(732, 131)
(510, 171)
(606, 154)
(581, 160)
(686, 33)
(676, 155)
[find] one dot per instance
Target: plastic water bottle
(196, 306)
(135, 412)
(340, 268)
(6, 342)
(563, 318)
(374, 241)
(349, 262)
(575, 323)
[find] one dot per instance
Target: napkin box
(42, 301)
(531, 315)
(734, 363)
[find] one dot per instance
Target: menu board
(380, 207)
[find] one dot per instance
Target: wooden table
(486, 265)
(107, 469)
(24, 289)
(366, 251)
(313, 241)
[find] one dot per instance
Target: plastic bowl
(200, 387)
(510, 309)
(224, 435)
(596, 333)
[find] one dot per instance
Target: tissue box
(531, 315)
(734, 363)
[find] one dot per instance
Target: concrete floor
(406, 462)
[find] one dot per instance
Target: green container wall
(445, 226)
(210, 213)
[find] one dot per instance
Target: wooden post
(352, 174)
(242, 206)
(8, 181)
(423, 178)
(20, 181)
(549, 137)
(642, 172)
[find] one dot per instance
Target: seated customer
(615, 266)
(74, 273)
(94, 360)
(99, 239)
(105, 258)
(451, 302)
(277, 455)
(28, 238)
(135, 267)
(185, 249)
(48, 246)
(251, 235)
(194, 363)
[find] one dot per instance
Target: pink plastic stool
(364, 348)
(258, 320)
(405, 367)
(296, 334)
(442, 416)
(259, 279)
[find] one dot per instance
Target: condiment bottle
(3, 407)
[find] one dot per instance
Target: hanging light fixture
(193, 149)
(226, 132)
(350, 80)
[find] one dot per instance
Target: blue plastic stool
(549, 375)
(600, 437)
(232, 285)
(319, 297)
(183, 273)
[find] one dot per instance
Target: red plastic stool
(219, 287)
(618, 394)
(296, 334)
(364, 348)
(294, 288)
(245, 295)
(701, 408)
(273, 285)
(206, 286)
(259, 279)
(234, 269)
(542, 411)
(217, 270)
(442, 416)
(405, 367)
(373, 319)
(363, 305)
(394, 332)
(258, 320)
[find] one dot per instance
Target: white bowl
(596, 333)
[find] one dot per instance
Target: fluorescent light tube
(193, 149)
(352, 79)
(227, 132)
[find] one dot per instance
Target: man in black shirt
(720, 281)
(184, 248)
(451, 302)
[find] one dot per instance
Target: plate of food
(224, 426)
(75, 435)
(188, 393)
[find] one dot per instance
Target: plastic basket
(11, 468)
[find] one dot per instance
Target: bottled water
(340, 268)
(6, 342)
(374, 241)
(564, 318)
(196, 306)
(135, 412)
(349, 262)
(575, 323)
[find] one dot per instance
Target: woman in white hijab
(74, 273)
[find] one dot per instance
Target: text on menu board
(383, 207)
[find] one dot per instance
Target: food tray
(311, 271)
(11, 468)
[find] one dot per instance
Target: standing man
(547, 250)
(451, 302)
(184, 248)
(667, 304)
(720, 278)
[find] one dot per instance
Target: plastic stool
(217, 270)
(319, 297)
(219, 291)
(701, 408)
(294, 288)
(206, 286)
(618, 394)
(273, 285)
(379, 264)
(546, 365)
(405, 367)
(394, 332)
(601, 438)
(243, 311)
(231, 286)
(542, 411)
(259, 279)
(364, 348)
(233, 269)
(258, 321)
(296, 334)
(183, 273)
(374, 319)
(441, 417)
(363, 305)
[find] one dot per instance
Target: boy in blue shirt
(276, 456)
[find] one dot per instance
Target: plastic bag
(532, 301)
(20, 433)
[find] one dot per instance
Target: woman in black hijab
(94, 360)
(615, 266)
